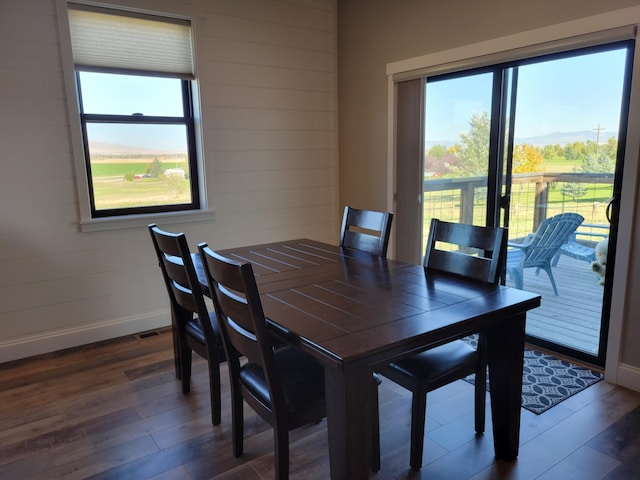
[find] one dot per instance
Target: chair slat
(366, 230)
(484, 263)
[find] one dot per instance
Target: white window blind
(130, 42)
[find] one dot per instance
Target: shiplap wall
(267, 83)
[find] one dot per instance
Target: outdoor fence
(534, 197)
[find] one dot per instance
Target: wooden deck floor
(572, 318)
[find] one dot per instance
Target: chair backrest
(178, 271)
(552, 233)
(241, 318)
(473, 251)
(366, 230)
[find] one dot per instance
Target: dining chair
(195, 329)
(281, 383)
(472, 252)
(366, 230)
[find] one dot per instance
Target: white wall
(267, 76)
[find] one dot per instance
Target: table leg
(505, 349)
(349, 413)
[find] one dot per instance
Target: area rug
(547, 380)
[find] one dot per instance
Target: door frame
(593, 30)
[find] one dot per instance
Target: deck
(573, 317)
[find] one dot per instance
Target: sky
(564, 95)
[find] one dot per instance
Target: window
(138, 140)
(134, 81)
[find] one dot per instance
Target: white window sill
(137, 221)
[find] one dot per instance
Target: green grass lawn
(113, 169)
(112, 189)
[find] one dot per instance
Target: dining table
(353, 311)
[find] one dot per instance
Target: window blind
(409, 155)
(111, 40)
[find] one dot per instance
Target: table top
(347, 307)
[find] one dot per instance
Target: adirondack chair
(539, 248)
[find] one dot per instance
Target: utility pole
(598, 130)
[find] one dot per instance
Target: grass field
(114, 185)
(118, 169)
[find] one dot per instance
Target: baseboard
(55, 340)
(628, 377)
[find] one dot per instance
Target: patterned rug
(547, 380)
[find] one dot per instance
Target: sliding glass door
(518, 143)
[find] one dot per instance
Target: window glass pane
(568, 114)
(456, 162)
(567, 117)
(114, 94)
(138, 165)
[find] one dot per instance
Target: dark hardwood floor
(115, 410)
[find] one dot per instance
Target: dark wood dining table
(352, 311)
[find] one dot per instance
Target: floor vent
(143, 335)
(152, 333)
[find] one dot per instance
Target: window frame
(187, 120)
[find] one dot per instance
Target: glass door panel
(456, 161)
(564, 159)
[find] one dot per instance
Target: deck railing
(534, 197)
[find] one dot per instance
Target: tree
(437, 151)
(155, 168)
(599, 163)
(600, 158)
(527, 158)
(176, 184)
(573, 190)
(473, 149)
(552, 153)
(439, 166)
(575, 151)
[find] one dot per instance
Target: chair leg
(418, 414)
(481, 399)
(374, 462)
(553, 282)
(516, 274)
(176, 345)
(214, 390)
(185, 368)
(281, 451)
(237, 420)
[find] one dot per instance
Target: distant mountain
(555, 138)
(563, 138)
(103, 148)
